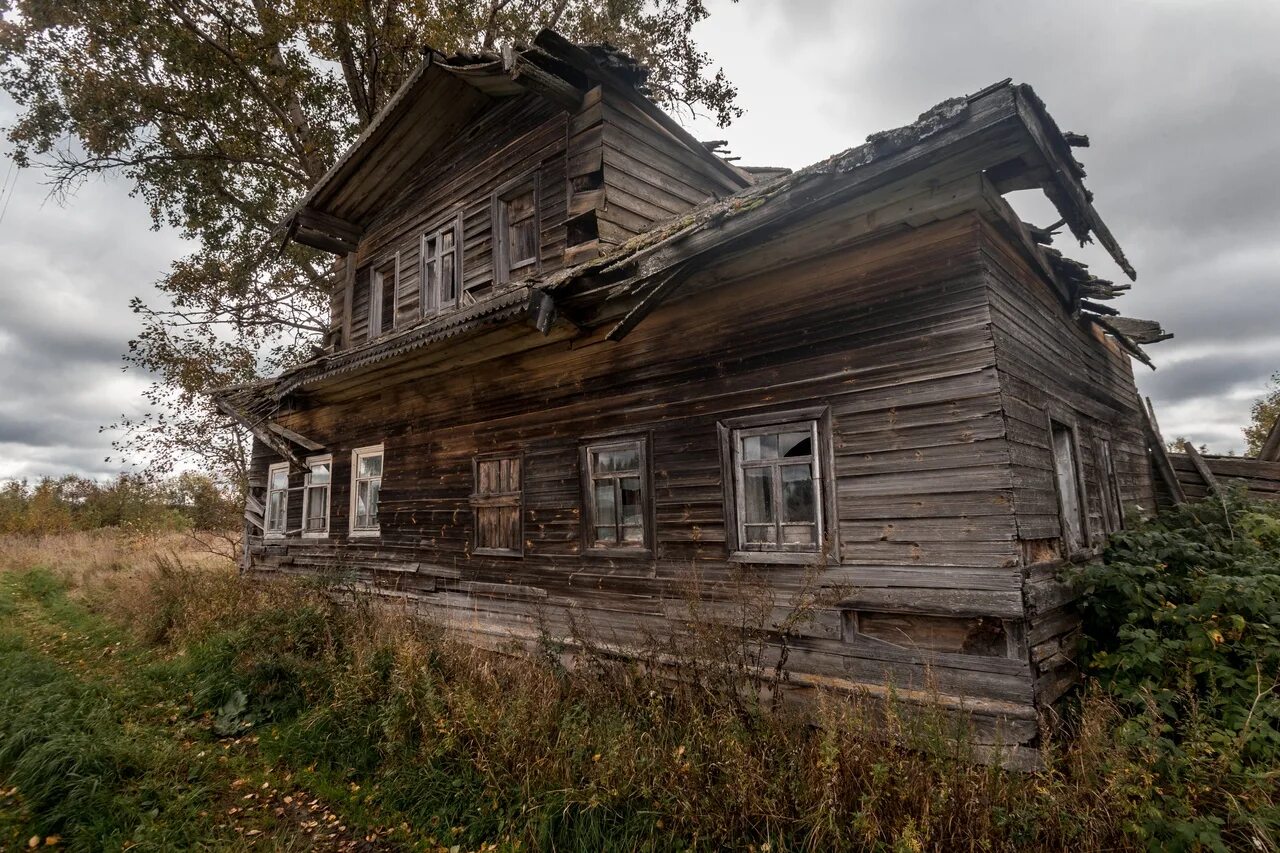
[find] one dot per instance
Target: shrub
(1183, 621)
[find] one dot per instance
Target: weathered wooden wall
(907, 339)
(513, 138)
(1051, 364)
(1261, 480)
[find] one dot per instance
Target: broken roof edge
(756, 201)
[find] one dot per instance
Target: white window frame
(267, 531)
(356, 455)
(327, 459)
(590, 543)
(377, 293)
(818, 420)
(430, 302)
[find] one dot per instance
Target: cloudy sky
(1180, 99)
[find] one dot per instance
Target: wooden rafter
(1160, 454)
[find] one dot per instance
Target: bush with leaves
(1183, 629)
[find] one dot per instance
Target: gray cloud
(1180, 99)
(66, 276)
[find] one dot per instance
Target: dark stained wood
(887, 300)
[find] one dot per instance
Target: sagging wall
(1053, 367)
(897, 338)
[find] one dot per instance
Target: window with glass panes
(277, 500)
(366, 484)
(616, 494)
(441, 259)
(315, 496)
(779, 502)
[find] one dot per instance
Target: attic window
(441, 256)
(516, 229)
(382, 297)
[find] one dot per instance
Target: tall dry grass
(475, 747)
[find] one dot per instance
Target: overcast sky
(1180, 99)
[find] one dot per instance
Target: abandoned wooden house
(578, 359)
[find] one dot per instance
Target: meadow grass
(147, 691)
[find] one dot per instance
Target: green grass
(105, 747)
(164, 706)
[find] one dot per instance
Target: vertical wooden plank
(348, 299)
(1160, 454)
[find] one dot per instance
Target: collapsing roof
(444, 94)
(1002, 135)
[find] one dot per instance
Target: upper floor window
(382, 297)
(1066, 473)
(498, 503)
(617, 494)
(277, 520)
(516, 229)
(366, 486)
(441, 257)
(780, 500)
(315, 496)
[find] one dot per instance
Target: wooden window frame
(590, 545)
(437, 305)
(827, 549)
(503, 271)
(356, 455)
(326, 459)
(496, 499)
(377, 292)
(267, 531)
(1057, 418)
(1109, 487)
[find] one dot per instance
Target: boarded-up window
(277, 499)
(1113, 508)
(616, 494)
(1066, 472)
(777, 483)
(441, 258)
(366, 490)
(497, 503)
(516, 230)
(315, 496)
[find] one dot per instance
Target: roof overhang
(963, 154)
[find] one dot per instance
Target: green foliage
(222, 114)
(1183, 621)
(64, 743)
(1262, 417)
(52, 506)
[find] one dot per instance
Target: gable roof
(442, 96)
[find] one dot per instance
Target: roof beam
(541, 81)
(1066, 191)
